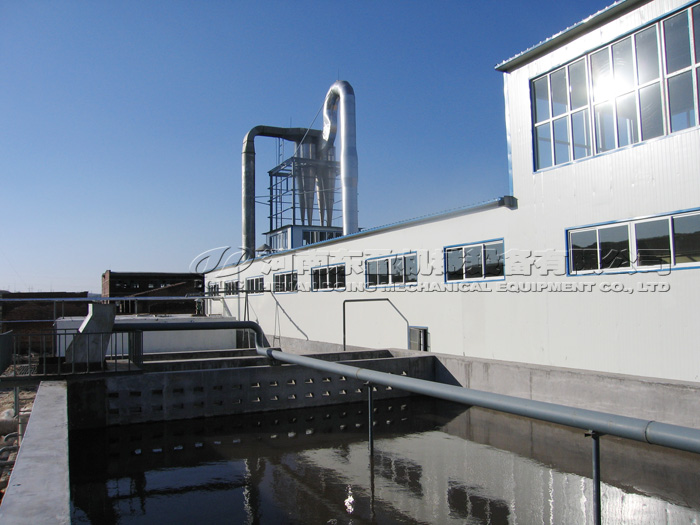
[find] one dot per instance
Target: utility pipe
(155, 326)
(646, 431)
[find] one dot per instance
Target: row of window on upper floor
(666, 242)
(657, 243)
(469, 261)
(642, 86)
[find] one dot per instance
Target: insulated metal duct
(341, 99)
(248, 181)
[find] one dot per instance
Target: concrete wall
(163, 396)
(667, 401)
(38, 490)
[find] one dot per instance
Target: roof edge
(506, 201)
(587, 24)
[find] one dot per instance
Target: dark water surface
(434, 462)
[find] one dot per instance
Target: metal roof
(569, 33)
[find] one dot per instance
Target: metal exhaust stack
(339, 99)
(342, 92)
(248, 182)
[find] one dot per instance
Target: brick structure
(141, 285)
(33, 316)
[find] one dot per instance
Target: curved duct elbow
(340, 100)
(339, 105)
(248, 179)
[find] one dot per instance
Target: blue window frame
(475, 261)
(394, 270)
(285, 282)
(255, 285)
(661, 242)
(330, 277)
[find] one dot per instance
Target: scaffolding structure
(285, 204)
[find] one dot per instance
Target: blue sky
(121, 123)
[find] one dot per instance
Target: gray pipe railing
(156, 326)
(646, 431)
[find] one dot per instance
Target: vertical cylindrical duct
(341, 99)
(248, 196)
(248, 176)
(306, 190)
(325, 187)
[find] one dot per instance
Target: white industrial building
(590, 267)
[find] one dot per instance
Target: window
(603, 248)
(686, 239)
(637, 88)
(660, 242)
(391, 271)
(255, 285)
(231, 287)
(285, 282)
(212, 288)
(328, 277)
(653, 243)
(475, 261)
(278, 241)
(312, 237)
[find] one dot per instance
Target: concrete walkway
(39, 490)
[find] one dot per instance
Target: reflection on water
(434, 462)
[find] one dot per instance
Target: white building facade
(593, 262)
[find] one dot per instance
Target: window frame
(232, 287)
(633, 245)
(327, 270)
(288, 286)
(390, 259)
(484, 276)
(255, 289)
(627, 126)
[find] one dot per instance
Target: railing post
(370, 419)
(43, 352)
(595, 437)
(17, 402)
(344, 325)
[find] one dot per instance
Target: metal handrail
(595, 422)
(101, 299)
(646, 431)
